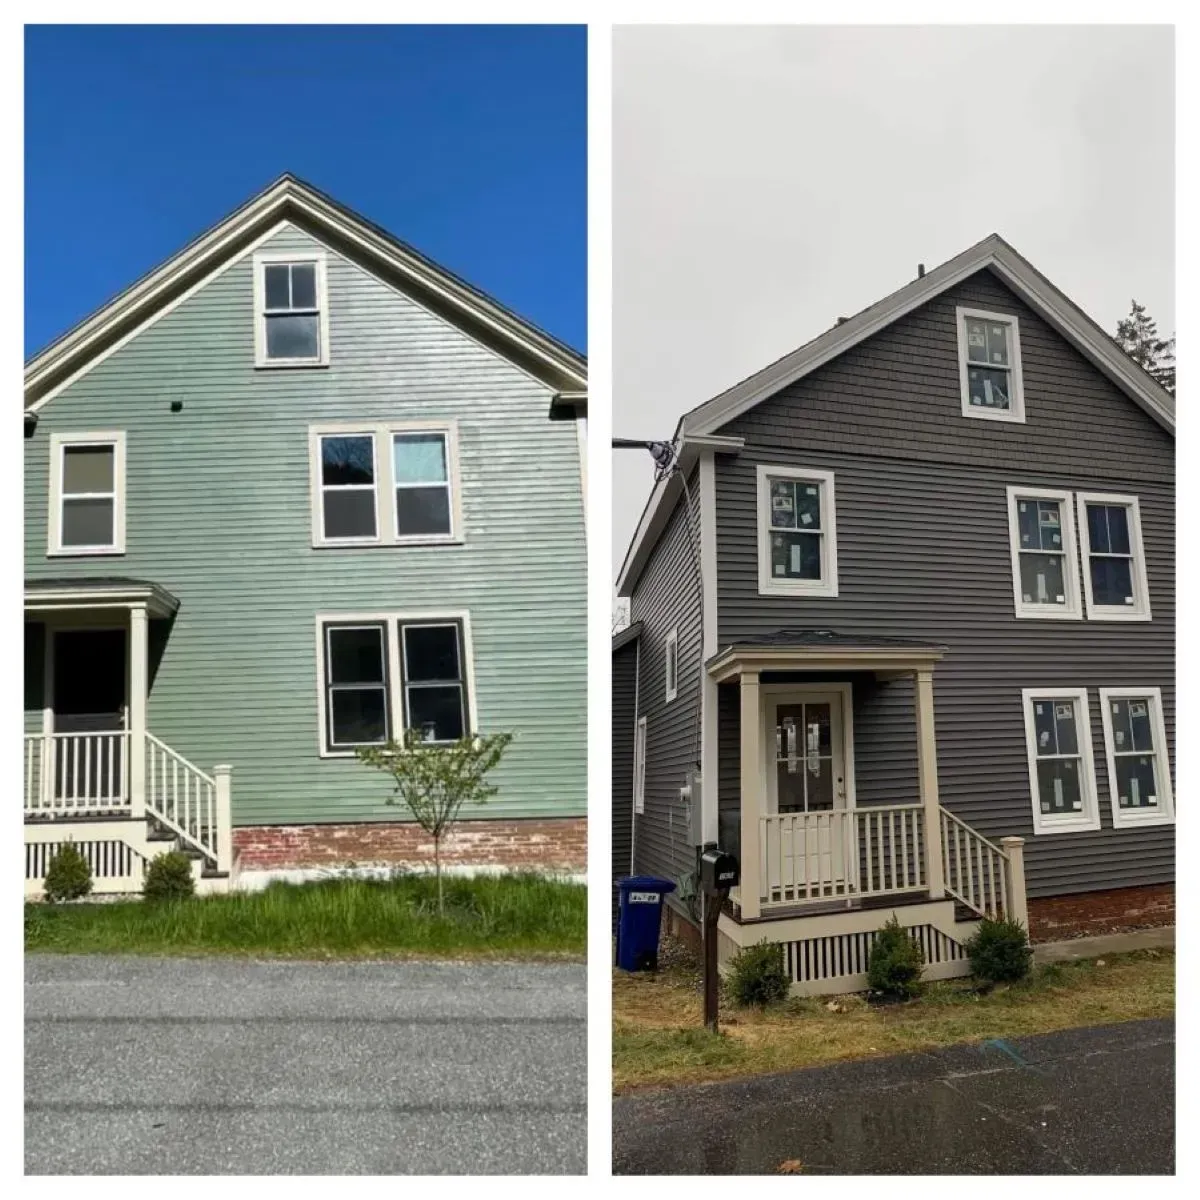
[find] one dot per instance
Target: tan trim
(752, 793)
(139, 690)
(735, 661)
(82, 599)
(927, 776)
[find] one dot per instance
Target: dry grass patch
(658, 1041)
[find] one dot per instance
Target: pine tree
(1138, 336)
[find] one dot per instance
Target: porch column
(139, 676)
(1018, 905)
(752, 794)
(927, 774)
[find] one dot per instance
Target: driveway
(1084, 1101)
(214, 1066)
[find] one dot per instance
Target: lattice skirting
(116, 866)
(843, 957)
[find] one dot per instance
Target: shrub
(757, 975)
(894, 968)
(169, 877)
(1000, 951)
(68, 876)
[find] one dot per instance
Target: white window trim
(671, 644)
(395, 680)
(1090, 817)
(1130, 818)
(262, 259)
(768, 585)
(1139, 610)
(639, 767)
(58, 445)
(1015, 414)
(385, 488)
(1073, 609)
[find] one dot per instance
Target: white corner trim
(710, 764)
(264, 258)
(671, 659)
(1139, 610)
(59, 442)
(1164, 812)
(768, 585)
(1072, 607)
(1015, 413)
(1089, 818)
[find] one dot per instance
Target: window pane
(349, 514)
(1064, 720)
(87, 469)
(1118, 529)
(1139, 720)
(87, 523)
(347, 460)
(997, 344)
(987, 388)
(430, 652)
(1043, 727)
(1058, 786)
(420, 457)
(422, 510)
(1137, 782)
(358, 717)
(796, 555)
(276, 280)
(356, 655)
(304, 285)
(1122, 733)
(783, 504)
(1112, 581)
(808, 506)
(292, 337)
(438, 711)
(976, 341)
(1108, 528)
(1042, 579)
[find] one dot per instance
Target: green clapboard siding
(218, 512)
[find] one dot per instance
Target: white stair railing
(188, 802)
(978, 872)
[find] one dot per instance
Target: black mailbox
(718, 871)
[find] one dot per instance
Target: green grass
(521, 915)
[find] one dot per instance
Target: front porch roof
(63, 595)
(822, 650)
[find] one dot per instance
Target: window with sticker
(1061, 775)
(797, 532)
(1139, 774)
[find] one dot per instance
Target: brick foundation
(559, 845)
(1056, 918)
(678, 926)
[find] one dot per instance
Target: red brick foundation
(1056, 918)
(680, 927)
(559, 845)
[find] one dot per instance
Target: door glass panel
(804, 757)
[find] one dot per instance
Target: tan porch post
(139, 676)
(927, 773)
(750, 889)
(1018, 905)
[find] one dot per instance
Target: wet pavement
(1083, 1101)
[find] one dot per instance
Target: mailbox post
(718, 873)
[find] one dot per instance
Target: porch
(93, 773)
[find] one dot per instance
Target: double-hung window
(87, 494)
(797, 532)
(1135, 743)
(1114, 563)
(1062, 779)
(639, 767)
(989, 360)
(291, 310)
(1041, 527)
(386, 484)
(381, 674)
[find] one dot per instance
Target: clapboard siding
(624, 721)
(923, 552)
(668, 597)
(218, 512)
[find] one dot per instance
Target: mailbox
(718, 871)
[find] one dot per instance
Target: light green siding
(218, 512)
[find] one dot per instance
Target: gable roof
(703, 424)
(290, 199)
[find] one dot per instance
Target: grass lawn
(658, 1040)
(506, 916)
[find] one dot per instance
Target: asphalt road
(181, 1067)
(1084, 1101)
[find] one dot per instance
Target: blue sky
(468, 142)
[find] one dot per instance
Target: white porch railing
(68, 774)
(977, 871)
(843, 853)
(190, 803)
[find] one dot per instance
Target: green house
(293, 492)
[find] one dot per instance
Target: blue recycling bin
(639, 920)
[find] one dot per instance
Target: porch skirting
(556, 844)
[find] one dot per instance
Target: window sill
(1011, 417)
(305, 365)
(379, 544)
(792, 591)
(1083, 826)
(1143, 822)
(86, 552)
(1118, 614)
(1056, 614)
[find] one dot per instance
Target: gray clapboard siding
(923, 552)
(624, 721)
(218, 512)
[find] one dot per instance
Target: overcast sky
(768, 180)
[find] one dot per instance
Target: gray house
(915, 652)
(296, 490)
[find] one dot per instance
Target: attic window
(292, 317)
(989, 360)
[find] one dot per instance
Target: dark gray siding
(624, 718)
(923, 552)
(667, 597)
